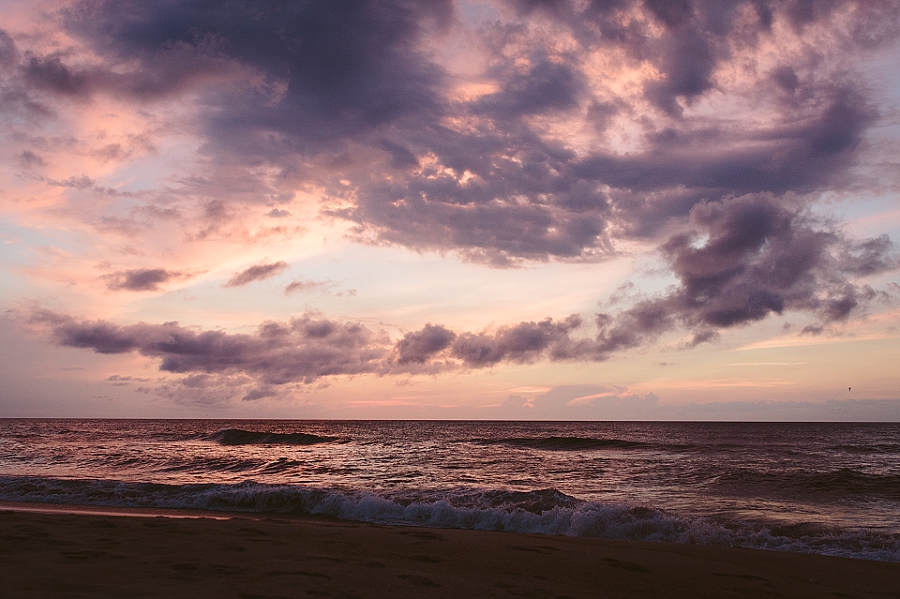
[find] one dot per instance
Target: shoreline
(51, 550)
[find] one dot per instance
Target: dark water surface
(830, 488)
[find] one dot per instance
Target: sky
(607, 209)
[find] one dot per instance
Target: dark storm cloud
(141, 279)
(301, 350)
(258, 272)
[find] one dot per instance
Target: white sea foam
(544, 512)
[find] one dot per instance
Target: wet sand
(99, 553)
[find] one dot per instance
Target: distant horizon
(877, 411)
(678, 211)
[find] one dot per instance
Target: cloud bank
(508, 134)
(351, 96)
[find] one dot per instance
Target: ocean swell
(835, 485)
(237, 436)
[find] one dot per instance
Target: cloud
(30, 160)
(748, 257)
(307, 348)
(304, 349)
(543, 87)
(9, 53)
(502, 192)
(754, 255)
(258, 272)
(50, 74)
(523, 342)
(332, 70)
(141, 279)
(420, 346)
(208, 390)
(565, 131)
(308, 286)
(353, 99)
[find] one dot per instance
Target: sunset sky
(513, 209)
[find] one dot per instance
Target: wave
(836, 484)
(875, 448)
(564, 443)
(546, 511)
(237, 436)
(216, 464)
(847, 480)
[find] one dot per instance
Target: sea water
(830, 488)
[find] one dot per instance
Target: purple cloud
(420, 346)
(499, 190)
(308, 286)
(258, 272)
(302, 350)
(760, 255)
(141, 279)
(349, 99)
(523, 342)
(757, 255)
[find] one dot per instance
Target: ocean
(831, 489)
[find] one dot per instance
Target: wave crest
(545, 511)
(237, 436)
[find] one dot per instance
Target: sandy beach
(95, 553)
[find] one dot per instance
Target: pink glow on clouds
(503, 195)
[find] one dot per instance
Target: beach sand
(100, 554)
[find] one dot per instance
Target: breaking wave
(545, 511)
